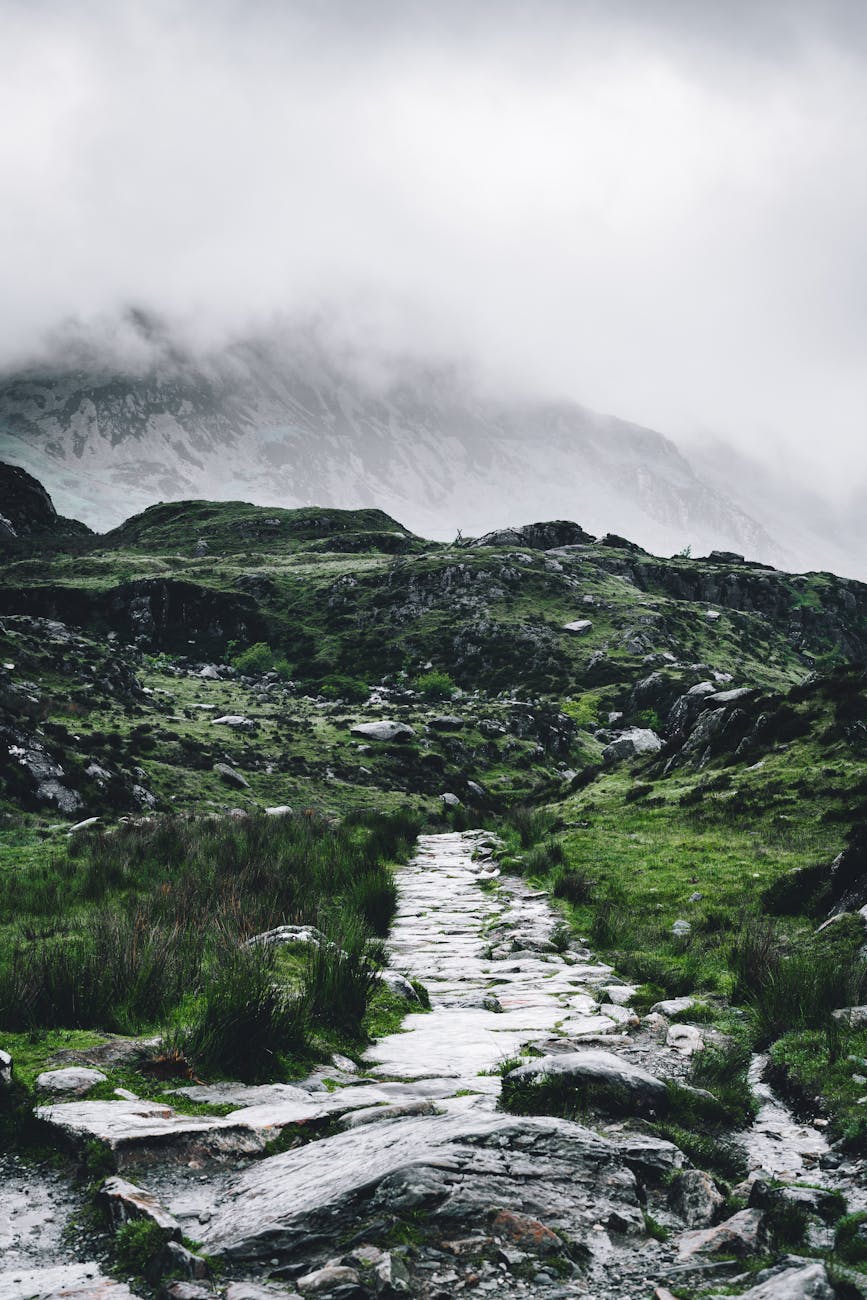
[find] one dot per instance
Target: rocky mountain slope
(639, 922)
(282, 421)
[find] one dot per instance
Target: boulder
(853, 1017)
(399, 984)
(807, 1281)
(632, 743)
(279, 810)
(685, 1038)
(76, 1079)
(742, 1234)
(446, 722)
(62, 1282)
(236, 720)
(578, 626)
(384, 730)
(125, 1201)
(673, 1006)
(230, 777)
(5, 1068)
(613, 1081)
(325, 1281)
(450, 800)
(695, 1198)
(545, 536)
(455, 1170)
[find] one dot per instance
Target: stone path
(406, 1179)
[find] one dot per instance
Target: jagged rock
(230, 777)
(610, 1077)
(177, 1260)
(125, 1201)
(384, 730)
(681, 927)
(813, 1200)
(391, 1277)
(543, 536)
(853, 1017)
(652, 1159)
(289, 934)
(695, 1197)
(210, 672)
(324, 1281)
(457, 1168)
(77, 1079)
(742, 1234)
(629, 744)
(399, 984)
(685, 1038)
(63, 1282)
(137, 1130)
(803, 1282)
(620, 994)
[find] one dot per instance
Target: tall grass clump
(243, 1020)
(793, 987)
(145, 926)
(530, 824)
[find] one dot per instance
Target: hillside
(602, 810)
(283, 421)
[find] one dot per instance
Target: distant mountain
(280, 421)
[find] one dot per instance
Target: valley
(438, 917)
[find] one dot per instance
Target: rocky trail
(404, 1177)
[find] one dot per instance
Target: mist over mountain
(284, 420)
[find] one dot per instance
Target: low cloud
(655, 209)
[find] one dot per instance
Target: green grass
(142, 928)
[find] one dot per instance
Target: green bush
(258, 659)
(350, 689)
(136, 1243)
(435, 685)
(584, 711)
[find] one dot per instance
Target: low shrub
(259, 659)
(435, 685)
(573, 884)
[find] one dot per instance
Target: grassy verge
(144, 929)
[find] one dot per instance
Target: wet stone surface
(406, 1179)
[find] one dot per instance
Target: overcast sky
(657, 207)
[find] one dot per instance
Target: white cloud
(657, 209)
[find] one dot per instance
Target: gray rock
(450, 800)
(63, 1282)
(210, 672)
(126, 1201)
(324, 1281)
(673, 1006)
(681, 927)
(695, 1198)
(742, 1234)
(804, 1282)
(5, 1068)
(813, 1200)
(76, 1079)
(279, 810)
(632, 743)
(231, 777)
(456, 1168)
(399, 984)
(608, 1075)
(854, 1017)
(383, 730)
(685, 1038)
(578, 626)
(446, 722)
(289, 934)
(235, 720)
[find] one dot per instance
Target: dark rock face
(159, 613)
(26, 509)
(541, 537)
